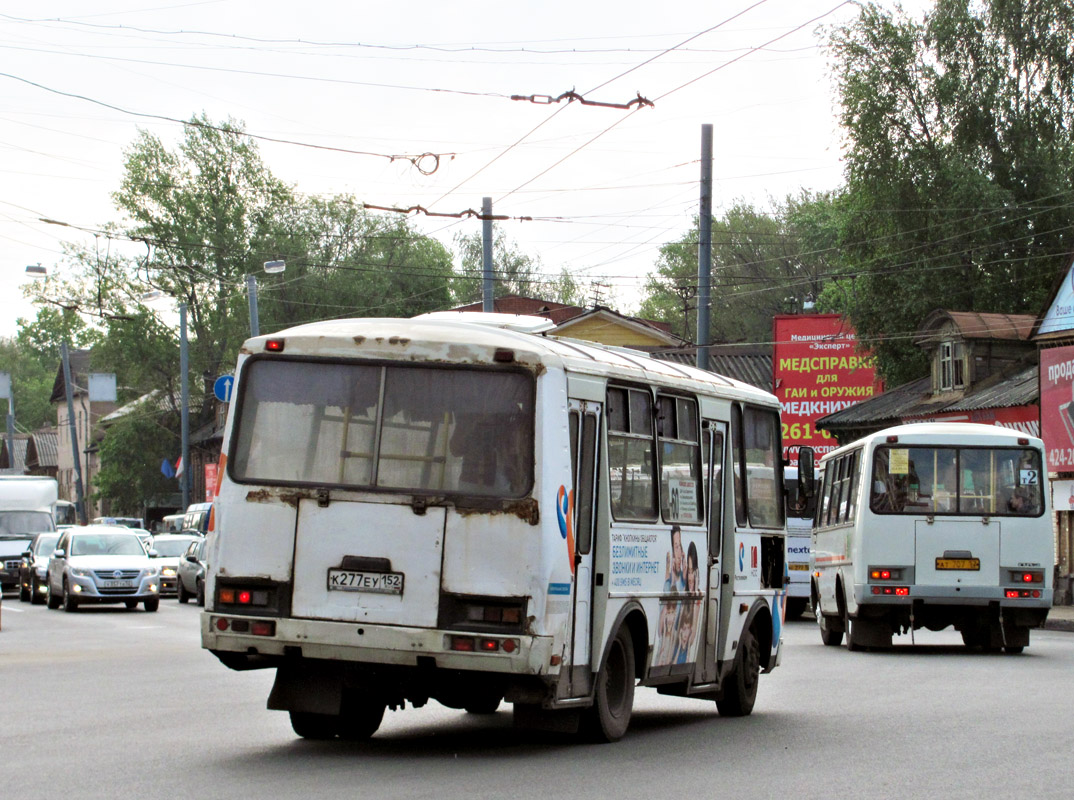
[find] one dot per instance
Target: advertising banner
(817, 370)
(1057, 407)
(210, 482)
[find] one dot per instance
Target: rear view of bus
(930, 526)
(457, 509)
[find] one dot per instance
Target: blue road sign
(222, 388)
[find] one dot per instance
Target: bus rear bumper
(513, 654)
(953, 596)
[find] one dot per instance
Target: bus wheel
(1013, 649)
(483, 704)
(609, 717)
(740, 688)
(315, 726)
(360, 719)
(828, 635)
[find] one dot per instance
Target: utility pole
(704, 250)
(184, 368)
(487, 290)
(80, 501)
(251, 292)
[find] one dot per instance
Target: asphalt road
(114, 703)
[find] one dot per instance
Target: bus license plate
(348, 580)
(958, 563)
(798, 566)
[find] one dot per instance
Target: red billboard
(1057, 407)
(817, 370)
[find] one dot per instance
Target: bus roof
(464, 337)
(952, 433)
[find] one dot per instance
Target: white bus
(800, 510)
(455, 507)
(933, 525)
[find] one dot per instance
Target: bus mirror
(806, 478)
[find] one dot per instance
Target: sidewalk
(1060, 618)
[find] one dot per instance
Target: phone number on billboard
(1061, 455)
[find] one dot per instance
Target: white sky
(411, 78)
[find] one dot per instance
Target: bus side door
(584, 442)
(714, 437)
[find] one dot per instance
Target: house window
(952, 366)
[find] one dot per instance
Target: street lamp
(184, 393)
(273, 268)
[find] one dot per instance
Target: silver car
(170, 549)
(34, 565)
(102, 564)
(191, 577)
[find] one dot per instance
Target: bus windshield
(403, 428)
(956, 480)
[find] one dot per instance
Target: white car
(170, 549)
(102, 564)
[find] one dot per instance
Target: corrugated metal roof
(45, 449)
(979, 325)
(750, 364)
(914, 400)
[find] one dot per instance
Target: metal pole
(11, 427)
(704, 250)
(486, 255)
(251, 292)
(184, 479)
(80, 503)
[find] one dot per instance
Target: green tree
(960, 162)
(131, 454)
(758, 270)
(514, 272)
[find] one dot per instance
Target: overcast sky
(605, 187)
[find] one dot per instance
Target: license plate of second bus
(348, 580)
(958, 563)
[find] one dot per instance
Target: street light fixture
(36, 270)
(273, 268)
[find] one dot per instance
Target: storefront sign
(1057, 407)
(817, 370)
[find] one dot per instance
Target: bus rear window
(957, 480)
(401, 428)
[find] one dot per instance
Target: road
(108, 702)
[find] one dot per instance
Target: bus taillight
(885, 573)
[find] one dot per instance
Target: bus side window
(631, 462)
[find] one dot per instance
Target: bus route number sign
(349, 580)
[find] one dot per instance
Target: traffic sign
(222, 388)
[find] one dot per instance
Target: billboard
(1057, 407)
(817, 370)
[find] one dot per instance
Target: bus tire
(315, 726)
(828, 635)
(851, 626)
(483, 705)
(361, 717)
(740, 687)
(1013, 649)
(608, 718)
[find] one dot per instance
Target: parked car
(170, 549)
(191, 578)
(102, 564)
(34, 564)
(12, 546)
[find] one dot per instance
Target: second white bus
(933, 525)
